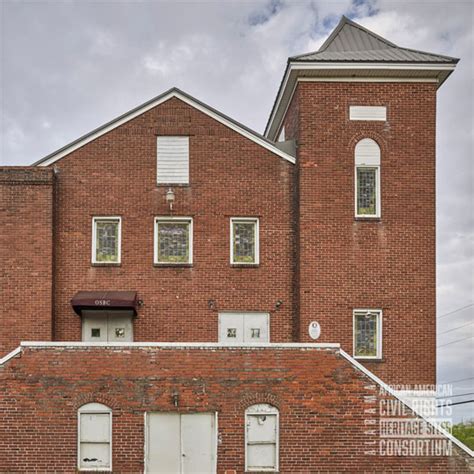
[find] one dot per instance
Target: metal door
(255, 327)
(94, 327)
(198, 441)
(231, 328)
(181, 443)
(163, 442)
(119, 327)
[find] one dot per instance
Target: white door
(238, 328)
(231, 328)
(256, 327)
(198, 442)
(181, 443)
(107, 326)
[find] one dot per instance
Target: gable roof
(352, 42)
(353, 53)
(169, 94)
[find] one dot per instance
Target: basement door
(181, 443)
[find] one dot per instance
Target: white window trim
(270, 411)
(254, 220)
(83, 410)
(379, 333)
(94, 232)
(378, 206)
(155, 239)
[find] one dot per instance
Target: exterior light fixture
(278, 304)
(175, 398)
(170, 198)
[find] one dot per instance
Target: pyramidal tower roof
(352, 42)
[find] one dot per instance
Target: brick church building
(182, 294)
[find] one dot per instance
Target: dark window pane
(107, 241)
(173, 242)
(366, 191)
(244, 242)
(366, 335)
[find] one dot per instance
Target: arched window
(261, 438)
(94, 424)
(367, 178)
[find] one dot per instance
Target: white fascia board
(294, 67)
(10, 355)
(180, 345)
(117, 123)
(399, 397)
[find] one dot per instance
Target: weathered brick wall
(230, 176)
(388, 263)
(26, 245)
(320, 396)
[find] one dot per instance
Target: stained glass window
(366, 338)
(244, 241)
(173, 245)
(366, 191)
(107, 240)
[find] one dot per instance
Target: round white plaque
(314, 330)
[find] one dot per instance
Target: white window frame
(262, 409)
(253, 220)
(94, 234)
(95, 408)
(370, 163)
(377, 193)
(155, 239)
(378, 312)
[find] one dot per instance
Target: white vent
(362, 112)
(173, 160)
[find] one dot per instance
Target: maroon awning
(104, 300)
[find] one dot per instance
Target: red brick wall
(26, 226)
(388, 263)
(229, 176)
(320, 396)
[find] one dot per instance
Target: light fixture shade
(170, 196)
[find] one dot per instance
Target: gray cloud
(67, 67)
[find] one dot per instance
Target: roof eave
(135, 112)
(440, 71)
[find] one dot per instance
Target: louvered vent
(357, 112)
(173, 160)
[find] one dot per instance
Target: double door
(181, 443)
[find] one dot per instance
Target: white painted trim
(378, 190)
(378, 312)
(338, 66)
(94, 234)
(106, 410)
(10, 355)
(394, 393)
(368, 79)
(189, 220)
(145, 442)
(273, 411)
(254, 220)
(159, 100)
(191, 345)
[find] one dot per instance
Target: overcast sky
(69, 66)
